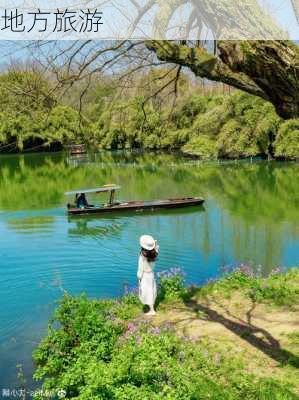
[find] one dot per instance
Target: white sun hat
(147, 242)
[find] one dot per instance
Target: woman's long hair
(150, 255)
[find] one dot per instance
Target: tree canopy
(203, 120)
(267, 69)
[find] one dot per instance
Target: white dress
(147, 282)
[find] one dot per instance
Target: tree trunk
(295, 4)
(267, 69)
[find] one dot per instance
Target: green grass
(278, 289)
(104, 349)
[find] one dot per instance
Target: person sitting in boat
(81, 201)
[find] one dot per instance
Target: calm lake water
(251, 215)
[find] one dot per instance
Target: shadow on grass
(247, 331)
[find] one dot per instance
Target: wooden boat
(121, 206)
(77, 149)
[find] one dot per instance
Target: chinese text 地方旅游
(80, 21)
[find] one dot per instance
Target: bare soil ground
(266, 338)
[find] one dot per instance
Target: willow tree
(267, 69)
(267, 66)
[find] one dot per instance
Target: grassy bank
(230, 339)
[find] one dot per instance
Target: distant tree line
(202, 119)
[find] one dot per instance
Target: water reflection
(251, 214)
(31, 225)
(101, 227)
(93, 228)
(256, 206)
(76, 160)
(260, 207)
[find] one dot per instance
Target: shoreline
(136, 151)
(241, 327)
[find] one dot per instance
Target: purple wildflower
(226, 269)
(135, 290)
(276, 271)
(167, 326)
(130, 290)
(211, 280)
(155, 330)
(131, 327)
(246, 270)
(126, 289)
(172, 272)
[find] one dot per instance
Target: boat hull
(138, 206)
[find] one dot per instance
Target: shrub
(211, 122)
(201, 146)
(144, 362)
(236, 140)
(171, 284)
(277, 289)
(287, 141)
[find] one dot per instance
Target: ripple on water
(43, 251)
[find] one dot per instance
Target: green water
(250, 215)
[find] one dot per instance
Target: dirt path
(267, 339)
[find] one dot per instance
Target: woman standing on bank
(145, 273)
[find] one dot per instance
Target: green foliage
(82, 331)
(293, 338)
(30, 116)
(175, 139)
(207, 126)
(60, 125)
(92, 352)
(171, 284)
(25, 92)
(201, 146)
(277, 289)
(63, 124)
(189, 109)
(233, 126)
(211, 122)
(287, 140)
(236, 139)
(127, 307)
(227, 126)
